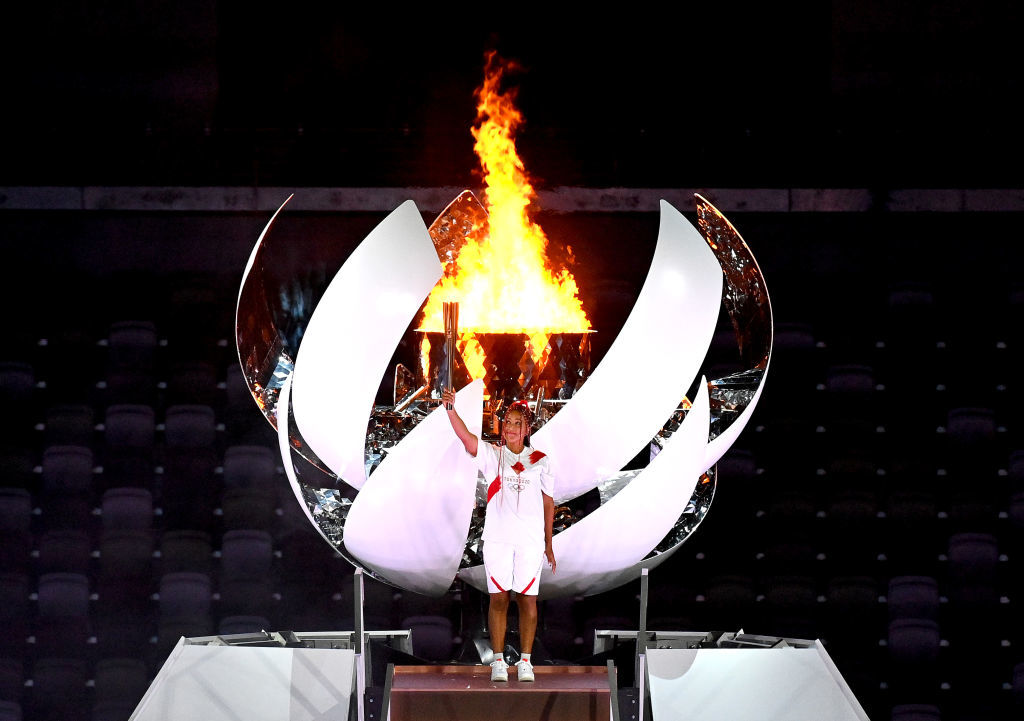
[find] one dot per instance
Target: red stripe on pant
(527, 585)
(499, 585)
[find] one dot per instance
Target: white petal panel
(608, 547)
(353, 333)
(648, 368)
(410, 520)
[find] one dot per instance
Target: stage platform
(466, 693)
(680, 676)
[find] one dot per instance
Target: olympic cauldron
(388, 485)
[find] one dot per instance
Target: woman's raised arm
(469, 440)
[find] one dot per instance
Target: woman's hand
(448, 397)
(549, 553)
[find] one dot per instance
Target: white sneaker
(524, 670)
(499, 670)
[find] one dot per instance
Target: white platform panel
(226, 683)
(711, 684)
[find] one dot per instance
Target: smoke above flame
(501, 277)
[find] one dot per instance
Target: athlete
(517, 527)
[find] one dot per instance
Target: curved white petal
(353, 333)
(607, 547)
(648, 368)
(410, 521)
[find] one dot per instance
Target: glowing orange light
(473, 356)
(502, 283)
(425, 356)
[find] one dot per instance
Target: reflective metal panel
(269, 321)
(746, 299)
(463, 220)
(510, 367)
(266, 356)
(745, 295)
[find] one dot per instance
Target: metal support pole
(385, 703)
(360, 646)
(641, 636)
(357, 595)
(613, 688)
(641, 688)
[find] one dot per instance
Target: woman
(517, 526)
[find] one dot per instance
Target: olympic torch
(450, 310)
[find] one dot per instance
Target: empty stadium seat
(126, 553)
(249, 466)
(70, 425)
(230, 625)
(130, 425)
(973, 558)
(914, 643)
(132, 344)
(185, 594)
(190, 426)
(915, 712)
(67, 550)
(186, 550)
(59, 689)
(10, 711)
(913, 597)
(67, 470)
(127, 508)
(433, 638)
(15, 510)
(248, 508)
(245, 596)
(193, 382)
(120, 679)
(246, 553)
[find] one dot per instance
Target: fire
(502, 282)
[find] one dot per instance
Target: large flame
(502, 282)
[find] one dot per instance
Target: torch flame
(502, 282)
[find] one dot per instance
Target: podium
(226, 683)
(466, 693)
(787, 683)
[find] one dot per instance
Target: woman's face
(514, 429)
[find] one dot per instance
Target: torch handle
(450, 310)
